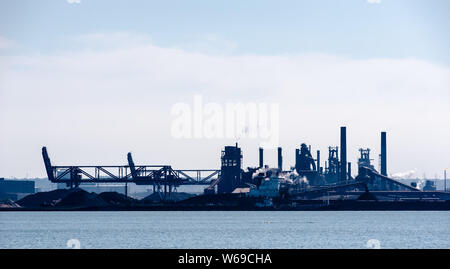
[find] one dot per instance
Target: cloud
(94, 105)
(374, 1)
(209, 44)
(108, 41)
(6, 43)
(73, 1)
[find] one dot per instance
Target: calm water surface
(225, 229)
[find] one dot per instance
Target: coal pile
(43, 199)
(174, 197)
(82, 199)
(117, 199)
(74, 199)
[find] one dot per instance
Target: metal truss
(157, 175)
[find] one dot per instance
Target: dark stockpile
(78, 198)
(44, 199)
(82, 199)
(117, 199)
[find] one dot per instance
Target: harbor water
(230, 229)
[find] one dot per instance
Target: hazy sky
(95, 79)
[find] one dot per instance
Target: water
(234, 229)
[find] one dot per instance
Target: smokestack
(280, 159)
(261, 157)
(445, 179)
(383, 154)
(349, 170)
(343, 172)
(318, 161)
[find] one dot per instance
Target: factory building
(308, 175)
(15, 189)
(231, 166)
(308, 179)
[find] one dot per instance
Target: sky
(93, 80)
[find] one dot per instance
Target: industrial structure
(231, 169)
(307, 179)
(163, 178)
(15, 189)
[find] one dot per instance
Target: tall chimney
(261, 157)
(383, 154)
(318, 161)
(280, 160)
(349, 170)
(343, 172)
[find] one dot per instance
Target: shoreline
(334, 206)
